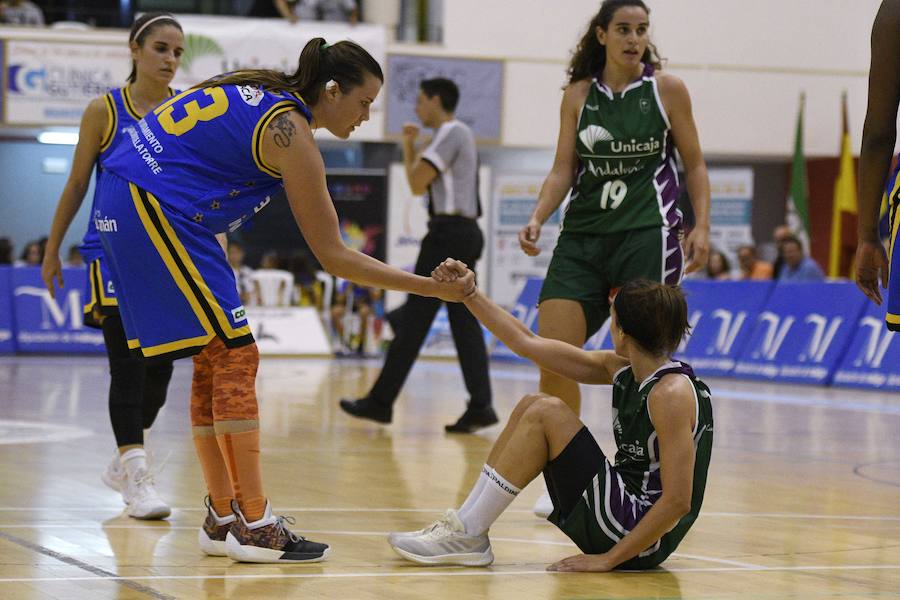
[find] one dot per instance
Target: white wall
(745, 64)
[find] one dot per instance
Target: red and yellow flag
(844, 208)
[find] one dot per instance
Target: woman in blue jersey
(629, 514)
(873, 264)
(621, 121)
(199, 165)
(137, 390)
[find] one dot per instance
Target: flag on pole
(798, 196)
(844, 206)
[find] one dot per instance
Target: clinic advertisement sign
(722, 315)
(7, 334)
(515, 196)
(730, 209)
(46, 324)
(51, 83)
(873, 358)
(801, 334)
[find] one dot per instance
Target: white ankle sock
(495, 497)
(134, 460)
(483, 479)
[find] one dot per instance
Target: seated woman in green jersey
(629, 514)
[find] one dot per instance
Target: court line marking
(455, 573)
(362, 533)
(74, 562)
(438, 511)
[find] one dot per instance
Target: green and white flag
(798, 195)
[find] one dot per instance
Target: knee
(525, 404)
(544, 407)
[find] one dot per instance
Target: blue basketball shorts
(175, 287)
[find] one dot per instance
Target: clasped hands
(452, 271)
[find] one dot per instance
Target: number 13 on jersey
(215, 104)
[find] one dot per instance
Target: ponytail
(344, 62)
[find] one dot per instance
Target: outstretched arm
(289, 146)
(560, 357)
(672, 410)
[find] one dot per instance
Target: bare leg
(543, 429)
(563, 320)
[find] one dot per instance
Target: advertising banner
(289, 330)
(722, 315)
(730, 210)
(7, 333)
(873, 358)
(51, 83)
(515, 195)
(802, 333)
(45, 324)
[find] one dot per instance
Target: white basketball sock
(134, 461)
(483, 478)
(496, 495)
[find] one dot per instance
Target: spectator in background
(241, 271)
(306, 288)
(74, 258)
(6, 251)
(358, 299)
(781, 233)
(32, 255)
(21, 12)
(341, 11)
(751, 265)
(797, 266)
(718, 267)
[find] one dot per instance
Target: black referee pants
(454, 237)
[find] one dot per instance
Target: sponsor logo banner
(514, 198)
(802, 333)
(51, 82)
(873, 358)
(292, 330)
(722, 315)
(7, 333)
(45, 324)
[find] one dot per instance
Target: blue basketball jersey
(200, 153)
(120, 114)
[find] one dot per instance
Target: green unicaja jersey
(637, 447)
(627, 177)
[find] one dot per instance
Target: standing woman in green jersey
(621, 120)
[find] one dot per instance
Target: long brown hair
(654, 314)
(589, 57)
(345, 62)
(139, 33)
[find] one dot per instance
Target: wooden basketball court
(803, 499)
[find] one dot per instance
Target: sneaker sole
(543, 507)
(158, 512)
(472, 559)
(211, 547)
(254, 554)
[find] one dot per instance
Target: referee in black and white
(448, 170)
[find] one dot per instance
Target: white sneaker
(544, 506)
(445, 543)
(114, 476)
(142, 498)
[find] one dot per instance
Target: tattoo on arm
(284, 130)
